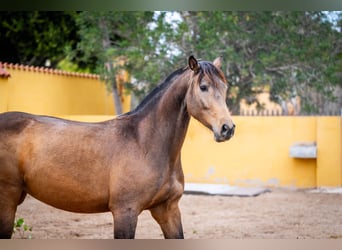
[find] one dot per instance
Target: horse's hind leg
(10, 198)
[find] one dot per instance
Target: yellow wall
(257, 155)
(55, 94)
(4, 88)
(329, 151)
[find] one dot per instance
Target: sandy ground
(279, 214)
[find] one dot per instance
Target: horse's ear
(193, 64)
(218, 62)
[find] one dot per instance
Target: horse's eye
(204, 88)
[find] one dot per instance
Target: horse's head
(206, 98)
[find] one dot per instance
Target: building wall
(54, 92)
(329, 151)
(257, 155)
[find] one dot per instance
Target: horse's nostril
(227, 132)
(225, 128)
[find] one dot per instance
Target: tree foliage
(129, 37)
(33, 37)
(105, 36)
(293, 53)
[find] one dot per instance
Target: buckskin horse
(125, 165)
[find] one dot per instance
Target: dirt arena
(278, 214)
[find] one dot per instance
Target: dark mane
(157, 92)
(207, 68)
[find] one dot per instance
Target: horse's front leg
(168, 217)
(125, 223)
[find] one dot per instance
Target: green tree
(292, 52)
(295, 53)
(36, 37)
(142, 40)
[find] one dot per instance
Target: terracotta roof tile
(3, 72)
(8, 66)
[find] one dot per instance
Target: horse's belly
(71, 194)
(71, 201)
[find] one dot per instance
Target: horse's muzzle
(225, 134)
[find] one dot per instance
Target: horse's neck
(168, 120)
(172, 108)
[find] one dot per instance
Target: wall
(258, 154)
(329, 151)
(54, 92)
